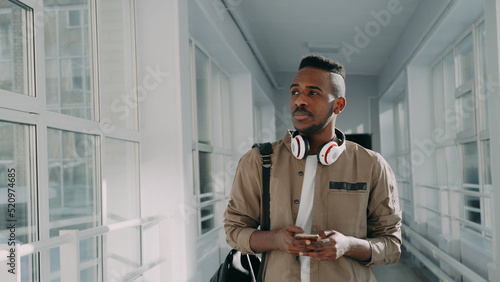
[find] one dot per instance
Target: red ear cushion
(327, 152)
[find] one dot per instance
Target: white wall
(356, 116)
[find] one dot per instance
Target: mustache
(301, 110)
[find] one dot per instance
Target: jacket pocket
(347, 211)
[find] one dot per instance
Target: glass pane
(465, 59)
(230, 169)
(453, 163)
(121, 202)
(441, 167)
(438, 91)
(218, 178)
(72, 191)
(449, 96)
(486, 162)
(205, 166)
(68, 58)
(116, 66)
(466, 113)
(226, 111)
(16, 190)
(207, 219)
(473, 215)
(484, 90)
(470, 169)
(216, 106)
(14, 59)
(400, 123)
(404, 168)
(202, 97)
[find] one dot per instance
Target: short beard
(311, 130)
(317, 128)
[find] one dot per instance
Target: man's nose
(301, 100)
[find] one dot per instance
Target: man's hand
(264, 241)
(334, 245)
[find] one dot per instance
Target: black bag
(239, 267)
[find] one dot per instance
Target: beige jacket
(342, 202)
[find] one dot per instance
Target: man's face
(312, 102)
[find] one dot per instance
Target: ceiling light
(324, 47)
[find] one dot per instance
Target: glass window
(437, 82)
(470, 172)
(212, 150)
(207, 219)
(442, 173)
(463, 160)
(486, 162)
(466, 112)
(205, 169)
(72, 193)
(15, 62)
(202, 97)
(465, 59)
(449, 96)
(226, 114)
(16, 187)
(216, 113)
(453, 162)
(68, 52)
(120, 203)
(484, 90)
(229, 171)
(400, 117)
(118, 92)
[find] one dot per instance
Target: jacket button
(301, 173)
(296, 201)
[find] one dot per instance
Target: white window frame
(32, 110)
(459, 222)
(197, 147)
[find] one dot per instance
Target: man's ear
(339, 105)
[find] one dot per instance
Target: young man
(320, 184)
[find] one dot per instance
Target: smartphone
(303, 236)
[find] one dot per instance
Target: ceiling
(365, 31)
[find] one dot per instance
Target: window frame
(222, 151)
(31, 110)
(476, 134)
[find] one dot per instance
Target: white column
(165, 152)
(492, 25)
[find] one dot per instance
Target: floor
(401, 271)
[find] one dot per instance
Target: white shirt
(304, 216)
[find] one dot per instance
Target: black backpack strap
(266, 150)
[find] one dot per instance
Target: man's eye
(295, 92)
(313, 93)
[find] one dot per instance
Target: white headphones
(327, 154)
